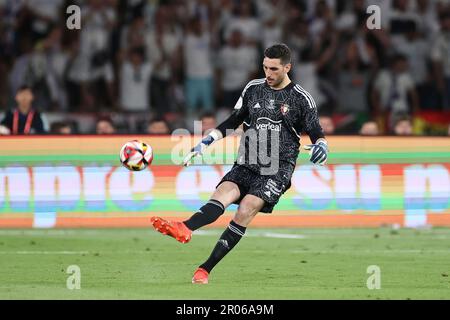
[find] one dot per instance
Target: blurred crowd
(167, 63)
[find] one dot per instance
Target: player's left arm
(309, 122)
(229, 125)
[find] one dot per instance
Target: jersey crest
(284, 108)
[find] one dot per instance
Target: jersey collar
(289, 86)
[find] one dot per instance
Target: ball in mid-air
(136, 155)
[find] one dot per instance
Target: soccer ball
(136, 155)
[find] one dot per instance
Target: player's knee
(226, 193)
(245, 214)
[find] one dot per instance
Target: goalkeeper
(274, 111)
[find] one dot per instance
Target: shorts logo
(273, 187)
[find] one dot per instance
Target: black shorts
(266, 187)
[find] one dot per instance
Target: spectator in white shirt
(323, 16)
(354, 78)
(135, 82)
(198, 67)
(416, 49)
(45, 13)
(394, 91)
(164, 52)
(272, 31)
(401, 18)
(133, 35)
(92, 69)
(440, 53)
(428, 20)
(244, 19)
(98, 19)
(237, 64)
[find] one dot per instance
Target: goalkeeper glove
(318, 152)
(198, 149)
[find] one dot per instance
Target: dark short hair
(158, 119)
(208, 115)
(445, 14)
(58, 125)
(105, 118)
(398, 57)
(279, 51)
(402, 117)
(140, 51)
(23, 88)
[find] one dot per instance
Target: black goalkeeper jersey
(273, 122)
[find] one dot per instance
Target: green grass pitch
(266, 264)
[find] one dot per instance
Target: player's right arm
(309, 122)
(238, 116)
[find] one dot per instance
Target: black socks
(207, 214)
(230, 237)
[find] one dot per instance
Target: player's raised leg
(248, 208)
(225, 194)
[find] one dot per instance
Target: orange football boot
(175, 229)
(200, 276)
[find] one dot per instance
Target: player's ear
(287, 67)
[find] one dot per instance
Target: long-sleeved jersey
(273, 122)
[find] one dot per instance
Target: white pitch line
(278, 235)
(254, 234)
(41, 233)
(356, 251)
(44, 252)
(337, 251)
